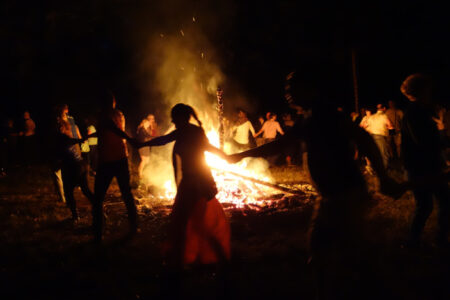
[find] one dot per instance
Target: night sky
(63, 51)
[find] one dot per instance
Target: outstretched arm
(216, 151)
(161, 140)
(269, 148)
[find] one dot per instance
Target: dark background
(64, 51)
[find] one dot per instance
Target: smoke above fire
(185, 69)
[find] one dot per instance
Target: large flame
(232, 189)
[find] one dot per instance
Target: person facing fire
(199, 231)
(241, 132)
(421, 150)
(336, 232)
(112, 162)
(73, 168)
(143, 135)
(270, 129)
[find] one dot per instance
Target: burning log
(219, 94)
(271, 185)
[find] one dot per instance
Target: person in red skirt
(199, 232)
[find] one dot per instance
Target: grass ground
(44, 256)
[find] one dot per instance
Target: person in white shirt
(378, 125)
(270, 129)
(241, 136)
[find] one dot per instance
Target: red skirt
(199, 231)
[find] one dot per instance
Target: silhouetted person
(73, 167)
(147, 130)
(421, 149)
(379, 129)
(29, 138)
(336, 232)
(112, 162)
(199, 231)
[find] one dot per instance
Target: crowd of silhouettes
(339, 148)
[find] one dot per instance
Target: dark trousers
(75, 174)
(105, 173)
(93, 157)
(424, 206)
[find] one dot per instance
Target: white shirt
(92, 141)
(270, 129)
(241, 135)
(379, 124)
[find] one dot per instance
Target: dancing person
(259, 140)
(336, 233)
(199, 231)
(270, 129)
(73, 168)
(143, 135)
(62, 115)
(112, 162)
(364, 123)
(241, 132)
(380, 126)
(154, 130)
(421, 150)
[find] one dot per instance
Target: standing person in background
(259, 140)
(93, 142)
(112, 162)
(379, 126)
(143, 135)
(365, 124)
(270, 129)
(241, 132)
(73, 168)
(288, 124)
(62, 116)
(28, 138)
(154, 130)
(421, 150)
(395, 115)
